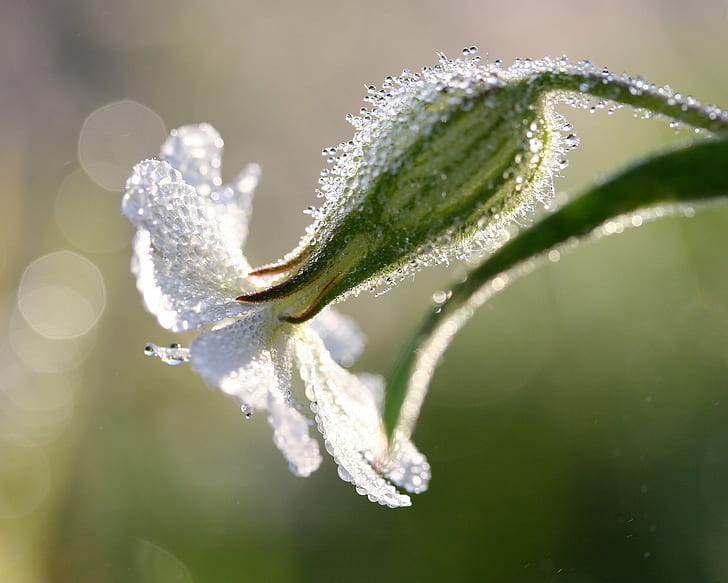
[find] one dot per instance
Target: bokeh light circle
(115, 137)
(158, 565)
(62, 295)
(44, 355)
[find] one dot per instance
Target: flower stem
(588, 79)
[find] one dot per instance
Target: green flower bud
(443, 162)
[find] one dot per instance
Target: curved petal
(340, 335)
(404, 464)
(348, 418)
(196, 151)
(290, 435)
(248, 360)
(408, 468)
(188, 268)
(234, 203)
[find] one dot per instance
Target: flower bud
(440, 165)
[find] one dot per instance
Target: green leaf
(668, 181)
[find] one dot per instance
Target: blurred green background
(577, 428)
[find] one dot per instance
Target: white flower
(189, 265)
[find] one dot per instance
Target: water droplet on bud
(571, 141)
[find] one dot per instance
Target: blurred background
(577, 428)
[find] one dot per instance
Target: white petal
(233, 203)
(237, 358)
(405, 466)
(188, 269)
(196, 151)
(248, 360)
(290, 435)
(349, 419)
(408, 468)
(340, 335)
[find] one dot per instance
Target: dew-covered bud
(442, 162)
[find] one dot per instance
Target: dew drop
(439, 297)
(172, 356)
(571, 141)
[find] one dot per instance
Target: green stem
(634, 92)
(684, 176)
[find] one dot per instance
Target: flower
(439, 167)
(189, 264)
